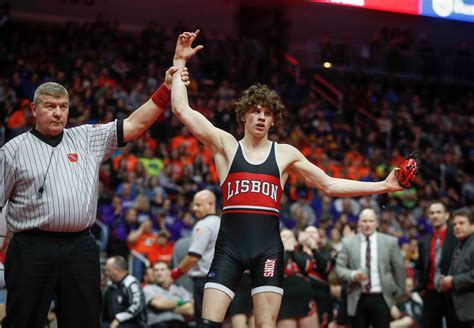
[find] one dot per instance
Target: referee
(49, 175)
(201, 251)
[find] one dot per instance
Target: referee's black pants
(41, 264)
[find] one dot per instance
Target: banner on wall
(451, 9)
(462, 10)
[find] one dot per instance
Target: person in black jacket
(459, 283)
(123, 300)
(431, 265)
(297, 307)
(322, 264)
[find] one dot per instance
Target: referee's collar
(208, 215)
(53, 142)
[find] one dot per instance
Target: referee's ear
(33, 108)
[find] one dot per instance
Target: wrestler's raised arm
(216, 139)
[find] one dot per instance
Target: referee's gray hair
(52, 89)
(120, 262)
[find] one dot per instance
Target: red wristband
(161, 97)
(176, 273)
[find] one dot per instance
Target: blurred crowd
(147, 186)
(402, 52)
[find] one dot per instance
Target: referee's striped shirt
(52, 184)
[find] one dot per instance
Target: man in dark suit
(435, 251)
(371, 262)
(460, 282)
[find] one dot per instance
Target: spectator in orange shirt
(130, 159)
(163, 249)
(313, 153)
(185, 139)
(148, 141)
(18, 121)
(141, 240)
(357, 171)
(353, 156)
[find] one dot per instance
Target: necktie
(368, 286)
(437, 261)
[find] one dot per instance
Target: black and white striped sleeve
(104, 139)
(7, 176)
(136, 300)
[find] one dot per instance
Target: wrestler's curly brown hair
(259, 94)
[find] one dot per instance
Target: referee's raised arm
(50, 179)
(141, 119)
